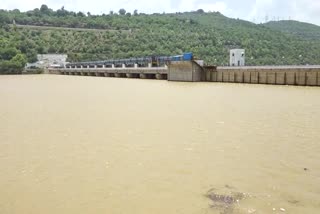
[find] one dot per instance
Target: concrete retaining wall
(186, 71)
(275, 75)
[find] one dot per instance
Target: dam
(192, 71)
(186, 68)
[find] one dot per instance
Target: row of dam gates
(191, 71)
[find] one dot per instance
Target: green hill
(209, 36)
(300, 29)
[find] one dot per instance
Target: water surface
(79, 145)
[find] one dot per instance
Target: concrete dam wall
(187, 71)
(190, 71)
(274, 75)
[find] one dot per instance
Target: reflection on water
(78, 145)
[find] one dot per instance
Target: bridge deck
(141, 72)
(152, 70)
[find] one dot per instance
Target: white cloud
(260, 8)
(301, 10)
(307, 10)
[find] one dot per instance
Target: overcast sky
(251, 10)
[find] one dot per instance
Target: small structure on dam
(49, 60)
(237, 57)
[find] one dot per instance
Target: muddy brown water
(78, 145)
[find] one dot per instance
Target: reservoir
(80, 144)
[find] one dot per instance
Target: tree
(122, 11)
(4, 19)
(19, 61)
(36, 12)
(40, 49)
(62, 12)
(44, 9)
(200, 11)
(52, 49)
(135, 12)
(8, 53)
(32, 56)
(80, 14)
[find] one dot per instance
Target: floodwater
(79, 145)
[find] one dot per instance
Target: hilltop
(208, 35)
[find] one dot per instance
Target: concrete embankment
(274, 75)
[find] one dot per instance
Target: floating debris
(224, 202)
(226, 199)
(282, 209)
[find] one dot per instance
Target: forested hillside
(300, 29)
(208, 35)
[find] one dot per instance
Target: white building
(237, 57)
(49, 60)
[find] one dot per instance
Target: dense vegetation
(303, 30)
(208, 35)
(12, 60)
